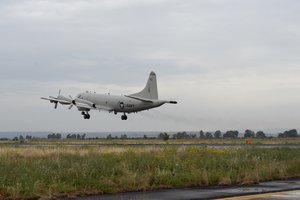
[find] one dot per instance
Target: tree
(73, 136)
(54, 136)
(201, 133)
(290, 133)
(58, 136)
(249, 134)
(208, 135)
(163, 136)
(260, 134)
(109, 137)
(184, 135)
(231, 134)
(124, 136)
(217, 134)
(145, 137)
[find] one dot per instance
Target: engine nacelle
(64, 98)
(85, 102)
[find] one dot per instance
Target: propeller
(63, 100)
(72, 102)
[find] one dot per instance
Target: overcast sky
(230, 64)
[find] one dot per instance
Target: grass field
(33, 172)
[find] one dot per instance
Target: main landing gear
(86, 115)
(124, 117)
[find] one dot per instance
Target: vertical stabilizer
(150, 90)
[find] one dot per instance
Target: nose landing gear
(85, 115)
(124, 117)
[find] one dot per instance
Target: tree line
(165, 136)
(228, 134)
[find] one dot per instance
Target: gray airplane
(133, 103)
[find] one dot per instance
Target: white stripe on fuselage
(114, 102)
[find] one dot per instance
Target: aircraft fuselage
(118, 103)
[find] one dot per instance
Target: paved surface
(238, 192)
(287, 195)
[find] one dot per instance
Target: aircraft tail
(150, 90)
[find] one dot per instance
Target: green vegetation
(142, 141)
(290, 133)
(33, 172)
(165, 136)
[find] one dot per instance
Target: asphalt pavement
(275, 188)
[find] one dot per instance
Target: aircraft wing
(55, 100)
(139, 98)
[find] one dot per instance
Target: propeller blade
(59, 91)
(55, 105)
(71, 97)
(70, 106)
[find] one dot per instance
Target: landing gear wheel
(124, 117)
(86, 115)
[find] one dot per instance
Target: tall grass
(67, 171)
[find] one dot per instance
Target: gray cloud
(230, 63)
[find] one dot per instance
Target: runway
(285, 195)
(281, 189)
